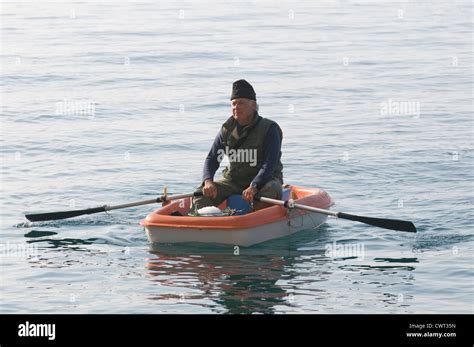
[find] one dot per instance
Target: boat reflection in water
(233, 280)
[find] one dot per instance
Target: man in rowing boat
(253, 146)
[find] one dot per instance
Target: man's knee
(271, 190)
(201, 201)
(224, 190)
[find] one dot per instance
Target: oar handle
(159, 199)
(291, 204)
(132, 204)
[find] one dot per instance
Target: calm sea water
(106, 103)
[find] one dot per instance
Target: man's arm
(271, 153)
(211, 164)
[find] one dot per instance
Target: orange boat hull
(245, 230)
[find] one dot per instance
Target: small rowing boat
(172, 224)
(300, 208)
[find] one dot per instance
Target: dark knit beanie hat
(242, 89)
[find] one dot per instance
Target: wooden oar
(392, 224)
(74, 213)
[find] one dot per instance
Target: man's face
(243, 110)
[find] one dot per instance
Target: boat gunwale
(265, 216)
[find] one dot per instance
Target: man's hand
(249, 193)
(210, 189)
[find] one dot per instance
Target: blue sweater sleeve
(271, 155)
(211, 163)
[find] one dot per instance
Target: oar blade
(41, 217)
(392, 224)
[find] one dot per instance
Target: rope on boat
(315, 225)
(290, 219)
